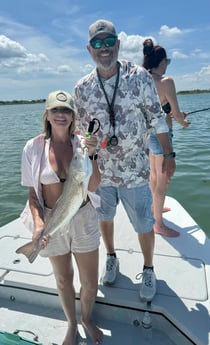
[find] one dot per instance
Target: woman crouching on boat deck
(45, 164)
(156, 62)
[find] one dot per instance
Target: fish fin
(29, 251)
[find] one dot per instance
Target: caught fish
(74, 193)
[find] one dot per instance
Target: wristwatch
(169, 155)
(93, 157)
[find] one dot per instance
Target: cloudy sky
(43, 42)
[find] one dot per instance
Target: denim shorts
(137, 203)
(154, 144)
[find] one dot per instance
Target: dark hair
(153, 55)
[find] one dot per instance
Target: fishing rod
(197, 111)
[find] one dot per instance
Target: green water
(190, 184)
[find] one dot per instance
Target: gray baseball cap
(101, 26)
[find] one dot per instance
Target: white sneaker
(148, 285)
(111, 269)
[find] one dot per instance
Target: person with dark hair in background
(156, 62)
(122, 96)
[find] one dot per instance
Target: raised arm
(170, 95)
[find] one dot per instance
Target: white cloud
(200, 54)
(64, 69)
(16, 59)
(169, 32)
(178, 55)
(193, 81)
(33, 59)
(205, 72)
(131, 47)
(10, 48)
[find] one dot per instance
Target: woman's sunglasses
(98, 42)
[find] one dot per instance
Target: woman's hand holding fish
(91, 143)
(45, 241)
(36, 236)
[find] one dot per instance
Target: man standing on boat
(123, 98)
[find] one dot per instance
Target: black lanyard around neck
(111, 105)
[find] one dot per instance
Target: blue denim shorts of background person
(154, 144)
(136, 201)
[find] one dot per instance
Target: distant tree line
(43, 100)
(22, 101)
(192, 91)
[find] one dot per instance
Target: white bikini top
(47, 174)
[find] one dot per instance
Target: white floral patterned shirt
(137, 113)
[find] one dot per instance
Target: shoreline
(34, 101)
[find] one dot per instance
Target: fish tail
(29, 251)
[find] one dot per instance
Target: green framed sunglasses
(107, 42)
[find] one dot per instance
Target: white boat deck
(180, 311)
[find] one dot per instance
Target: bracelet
(93, 157)
(169, 155)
